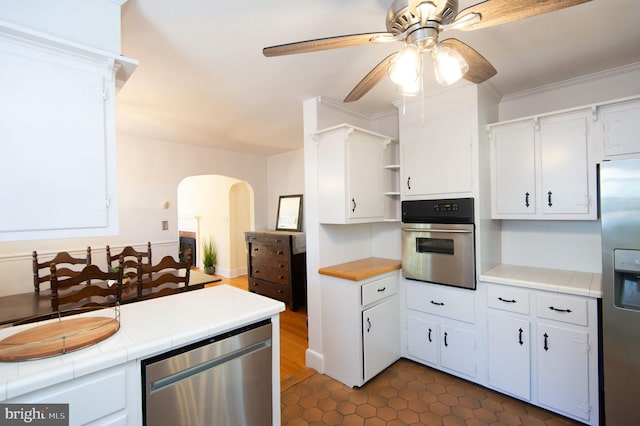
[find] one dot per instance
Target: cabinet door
(422, 339)
(563, 163)
(365, 174)
(458, 349)
(381, 341)
(509, 355)
(441, 165)
(621, 127)
(563, 369)
(513, 169)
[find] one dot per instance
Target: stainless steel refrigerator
(620, 220)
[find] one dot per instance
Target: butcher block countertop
(361, 269)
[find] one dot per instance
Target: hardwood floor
(293, 339)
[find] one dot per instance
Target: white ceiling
(202, 78)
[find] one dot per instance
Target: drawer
(272, 290)
(379, 289)
(512, 299)
(454, 303)
(268, 251)
(284, 241)
(261, 271)
(268, 262)
(563, 308)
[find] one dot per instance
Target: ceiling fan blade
(371, 79)
(496, 12)
(328, 43)
(479, 68)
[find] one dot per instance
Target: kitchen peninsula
(102, 383)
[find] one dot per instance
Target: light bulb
(411, 89)
(405, 68)
(449, 65)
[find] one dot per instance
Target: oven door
(439, 253)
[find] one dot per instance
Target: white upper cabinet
(541, 168)
(351, 175)
(58, 132)
(437, 165)
(620, 126)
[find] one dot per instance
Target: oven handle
(446, 231)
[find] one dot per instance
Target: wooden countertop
(361, 269)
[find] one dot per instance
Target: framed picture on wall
(289, 213)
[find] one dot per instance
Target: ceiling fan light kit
(419, 23)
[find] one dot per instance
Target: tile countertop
(146, 328)
(361, 269)
(570, 282)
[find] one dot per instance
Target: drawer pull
(380, 290)
(282, 265)
(280, 291)
(255, 284)
(255, 249)
(281, 277)
(437, 303)
(506, 300)
(280, 253)
(560, 310)
(520, 337)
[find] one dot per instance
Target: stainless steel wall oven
(438, 241)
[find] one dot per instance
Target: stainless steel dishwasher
(222, 380)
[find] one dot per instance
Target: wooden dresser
(276, 263)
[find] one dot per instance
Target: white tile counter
(569, 282)
(146, 329)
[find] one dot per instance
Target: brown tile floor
(407, 393)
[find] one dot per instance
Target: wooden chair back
(131, 258)
(167, 277)
(62, 258)
(76, 293)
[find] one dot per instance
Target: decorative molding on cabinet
(123, 66)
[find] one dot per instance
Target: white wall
(285, 176)
(148, 176)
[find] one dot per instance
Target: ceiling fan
(418, 23)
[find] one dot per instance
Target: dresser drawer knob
(280, 253)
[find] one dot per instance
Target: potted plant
(209, 256)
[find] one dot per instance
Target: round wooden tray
(56, 338)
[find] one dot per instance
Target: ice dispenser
(627, 278)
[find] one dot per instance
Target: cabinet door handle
(409, 182)
(437, 303)
(445, 339)
(429, 336)
(368, 325)
(520, 337)
(549, 199)
(546, 342)
(506, 300)
(353, 200)
(566, 311)
(526, 199)
(380, 290)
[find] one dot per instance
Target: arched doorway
(219, 207)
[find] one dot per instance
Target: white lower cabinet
(542, 348)
(508, 342)
(563, 370)
(360, 323)
(379, 326)
(440, 327)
